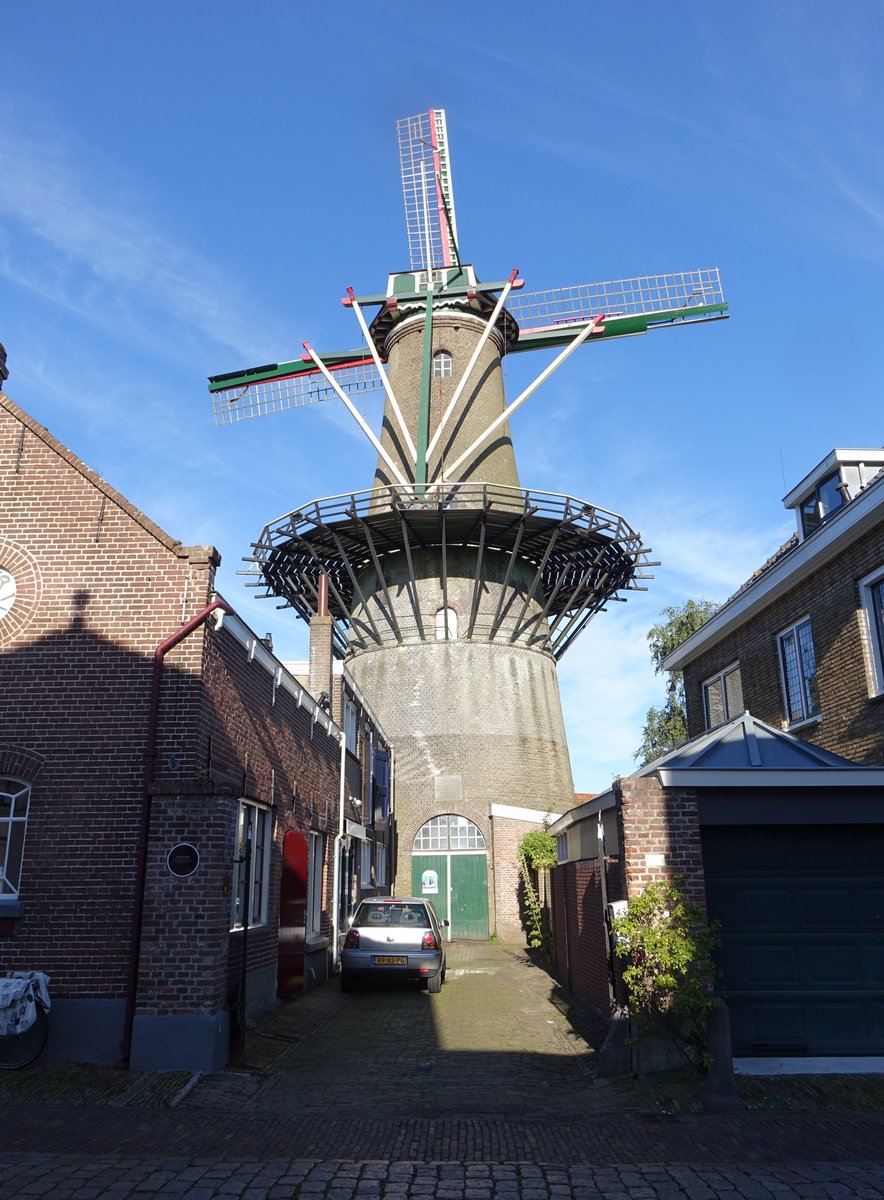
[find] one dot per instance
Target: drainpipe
(150, 750)
(336, 884)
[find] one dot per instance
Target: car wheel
(434, 982)
(347, 984)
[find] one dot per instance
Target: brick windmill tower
(453, 588)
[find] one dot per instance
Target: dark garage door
(802, 931)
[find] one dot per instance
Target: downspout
(336, 883)
(150, 749)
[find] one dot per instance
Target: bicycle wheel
(19, 1049)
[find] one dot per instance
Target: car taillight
(428, 942)
(351, 941)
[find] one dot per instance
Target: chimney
(321, 628)
(4, 372)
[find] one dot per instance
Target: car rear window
(392, 914)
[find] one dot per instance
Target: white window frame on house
(443, 367)
(721, 678)
(15, 799)
(315, 879)
(260, 824)
(351, 725)
(809, 707)
(365, 880)
(871, 594)
(380, 869)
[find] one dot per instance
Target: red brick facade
(851, 720)
(98, 588)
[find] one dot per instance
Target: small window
(365, 880)
(562, 847)
(723, 696)
(446, 625)
(351, 725)
(253, 858)
(871, 590)
(825, 500)
(14, 799)
(442, 365)
(798, 672)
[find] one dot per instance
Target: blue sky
(188, 189)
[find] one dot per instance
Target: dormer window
(831, 485)
(827, 497)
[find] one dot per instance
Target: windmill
(453, 589)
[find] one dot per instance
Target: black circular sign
(183, 859)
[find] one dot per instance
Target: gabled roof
(747, 752)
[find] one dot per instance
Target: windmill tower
(453, 588)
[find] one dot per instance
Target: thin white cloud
(91, 247)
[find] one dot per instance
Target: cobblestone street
(487, 1090)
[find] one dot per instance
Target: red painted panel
(292, 915)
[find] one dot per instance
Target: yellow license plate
(390, 960)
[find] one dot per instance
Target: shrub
(670, 978)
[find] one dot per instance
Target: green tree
(667, 725)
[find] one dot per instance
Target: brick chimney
(321, 628)
(4, 372)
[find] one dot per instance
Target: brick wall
(99, 588)
(581, 960)
(851, 723)
(659, 832)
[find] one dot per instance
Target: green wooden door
(457, 884)
(429, 878)
(469, 896)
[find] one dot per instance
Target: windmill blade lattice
(663, 299)
(427, 190)
(272, 389)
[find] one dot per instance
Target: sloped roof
(747, 752)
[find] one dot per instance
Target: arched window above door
(449, 832)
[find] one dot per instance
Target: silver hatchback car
(394, 937)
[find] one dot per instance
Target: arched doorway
(449, 865)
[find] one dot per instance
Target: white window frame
(873, 633)
(381, 865)
(365, 879)
(261, 820)
(15, 800)
(807, 717)
(719, 676)
(443, 365)
(351, 725)
(315, 880)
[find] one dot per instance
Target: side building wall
(850, 722)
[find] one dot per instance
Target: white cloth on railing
(20, 993)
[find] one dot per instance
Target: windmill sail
(550, 318)
(278, 387)
(427, 191)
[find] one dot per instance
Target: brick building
(176, 809)
(801, 645)
(779, 841)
